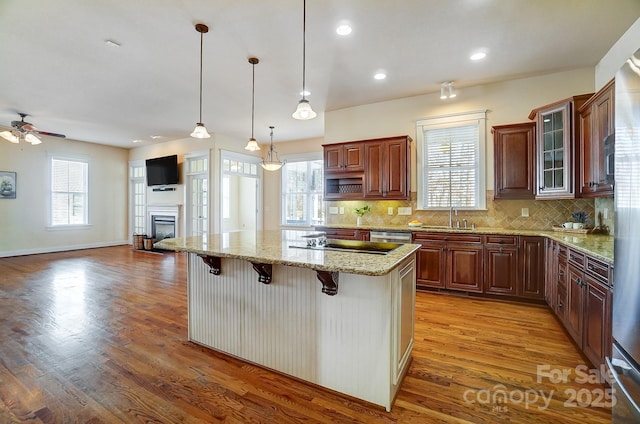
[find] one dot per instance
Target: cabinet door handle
(560, 305)
(591, 267)
(560, 273)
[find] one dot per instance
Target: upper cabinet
(557, 128)
(344, 157)
(368, 169)
(595, 174)
(514, 161)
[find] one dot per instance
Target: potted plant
(579, 219)
(360, 212)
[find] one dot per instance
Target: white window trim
(67, 157)
(301, 157)
(136, 164)
(454, 120)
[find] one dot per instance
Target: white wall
(627, 45)
(25, 220)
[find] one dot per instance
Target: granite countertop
(597, 245)
(273, 247)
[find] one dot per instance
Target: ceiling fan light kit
(201, 131)
(25, 131)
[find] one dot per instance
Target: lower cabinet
(582, 299)
(449, 261)
(501, 265)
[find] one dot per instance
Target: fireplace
(163, 221)
(162, 227)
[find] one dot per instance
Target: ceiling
(57, 67)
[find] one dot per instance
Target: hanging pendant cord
(201, 77)
(304, 49)
(253, 96)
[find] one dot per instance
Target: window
(451, 158)
(137, 193)
(302, 189)
(69, 192)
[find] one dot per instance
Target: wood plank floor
(99, 336)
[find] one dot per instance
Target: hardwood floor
(99, 336)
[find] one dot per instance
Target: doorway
(240, 193)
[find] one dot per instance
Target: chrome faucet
(452, 211)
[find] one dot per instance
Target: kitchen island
(340, 320)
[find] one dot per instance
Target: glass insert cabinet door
(554, 149)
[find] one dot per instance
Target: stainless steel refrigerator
(624, 363)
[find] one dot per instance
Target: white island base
(357, 342)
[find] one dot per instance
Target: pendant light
(271, 161)
(304, 111)
(252, 145)
(201, 131)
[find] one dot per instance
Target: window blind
(69, 192)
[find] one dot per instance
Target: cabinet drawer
(503, 240)
(597, 269)
(576, 258)
(421, 237)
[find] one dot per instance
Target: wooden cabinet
(449, 261)
(514, 161)
(345, 233)
(344, 157)
(557, 130)
(368, 169)
(501, 265)
(531, 269)
(595, 159)
(386, 168)
(586, 305)
(556, 277)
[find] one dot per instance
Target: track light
(447, 91)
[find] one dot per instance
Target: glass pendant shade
(304, 111)
(252, 145)
(271, 162)
(30, 138)
(9, 136)
(200, 131)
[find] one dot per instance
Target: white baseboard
(53, 249)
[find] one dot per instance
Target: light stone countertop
(272, 247)
(597, 245)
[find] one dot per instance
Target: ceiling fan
(25, 131)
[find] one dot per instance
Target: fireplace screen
(163, 227)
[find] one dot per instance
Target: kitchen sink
(354, 246)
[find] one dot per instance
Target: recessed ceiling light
(155, 137)
(111, 43)
(138, 141)
(380, 76)
(478, 56)
(305, 93)
(344, 29)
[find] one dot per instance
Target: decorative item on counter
(579, 219)
(360, 212)
(415, 223)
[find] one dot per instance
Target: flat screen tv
(162, 171)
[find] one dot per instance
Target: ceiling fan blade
(49, 134)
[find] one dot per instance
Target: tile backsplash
(543, 214)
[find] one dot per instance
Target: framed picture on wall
(7, 185)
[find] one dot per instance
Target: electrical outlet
(404, 211)
(390, 210)
(333, 210)
(341, 210)
(525, 212)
